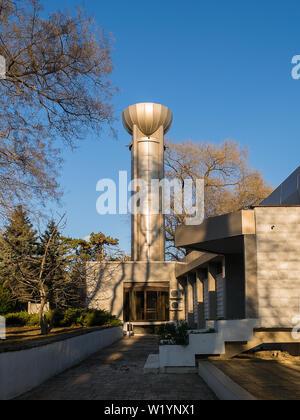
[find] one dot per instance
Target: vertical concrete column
(179, 284)
(192, 312)
(224, 285)
(200, 276)
(195, 300)
(250, 267)
(186, 298)
(212, 294)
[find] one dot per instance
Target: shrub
(33, 320)
(6, 303)
(19, 319)
(86, 318)
(175, 334)
(115, 322)
(83, 317)
(56, 317)
(97, 318)
(70, 317)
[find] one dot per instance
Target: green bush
(22, 319)
(84, 317)
(19, 319)
(6, 303)
(68, 318)
(175, 334)
(96, 318)
(33, 320)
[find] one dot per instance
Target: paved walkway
(265, 379)
(116, 373)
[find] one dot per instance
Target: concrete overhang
(193, 261)
(220, 235)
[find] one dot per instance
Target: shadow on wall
(105, 281)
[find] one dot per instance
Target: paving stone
(116, 373)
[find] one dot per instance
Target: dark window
(146, 305)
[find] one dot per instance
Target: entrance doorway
(146, 303)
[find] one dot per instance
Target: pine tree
(53, 275)
(7, 304)
(99, 243)
(18, 255)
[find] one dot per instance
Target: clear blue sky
(224, 69)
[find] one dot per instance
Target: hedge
(68, 318)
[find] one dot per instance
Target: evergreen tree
(18, 255)
(100, 244)
(7, 303)
(53, 274)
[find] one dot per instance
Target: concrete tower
(147, 123)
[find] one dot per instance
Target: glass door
(151, 306)
(146, 305)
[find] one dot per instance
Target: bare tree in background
(230, 183)
(34, 269)
(56, 87)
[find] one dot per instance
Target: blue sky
(224, 69)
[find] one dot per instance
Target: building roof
(288, 193)
(219, 235)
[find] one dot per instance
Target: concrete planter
(175, 356)
(21, 371)
(201, 343)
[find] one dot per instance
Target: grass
(23, 338)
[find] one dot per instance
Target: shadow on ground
(116, 373)
(265, 379)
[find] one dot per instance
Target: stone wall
(278, 265)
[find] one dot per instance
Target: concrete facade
(262, 267)
(278, 265)
(106, 282)
(259, 253)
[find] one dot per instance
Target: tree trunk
(42, 318)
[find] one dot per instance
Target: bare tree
(56, 87)
(36, 268)
(230, 183)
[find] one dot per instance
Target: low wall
(21, 371)
(207, 344)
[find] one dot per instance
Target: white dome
(148, 117)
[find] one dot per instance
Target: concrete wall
(105, 282)
(21, 371)
(34, 308)
(278, 265)
(250, 274)
(216, 228)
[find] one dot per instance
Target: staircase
(227, 339)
